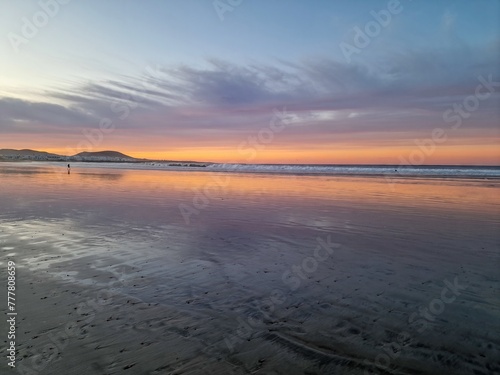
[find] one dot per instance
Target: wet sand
(133, 272)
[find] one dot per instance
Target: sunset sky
(259, 81)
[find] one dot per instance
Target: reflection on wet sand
(243, 287)
(102, 176)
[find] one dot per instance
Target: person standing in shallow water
(69, 169)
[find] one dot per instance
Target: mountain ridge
(103, 154)
(28, 154)
(85, 156)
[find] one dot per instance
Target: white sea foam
(304, 169)
(441, 171)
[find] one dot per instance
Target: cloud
(407, 92)
(14, 111)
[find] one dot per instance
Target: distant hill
(98, 156)
(10, 154)
(107, 156)
(103, 154)
(7, 151)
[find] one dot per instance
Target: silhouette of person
(69, 169)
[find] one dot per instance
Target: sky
(254, 81)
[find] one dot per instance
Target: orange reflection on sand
(97, 183)
(366, 190)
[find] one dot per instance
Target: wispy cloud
(405, 93)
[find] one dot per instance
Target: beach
(122, 271)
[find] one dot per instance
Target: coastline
(388, 171)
